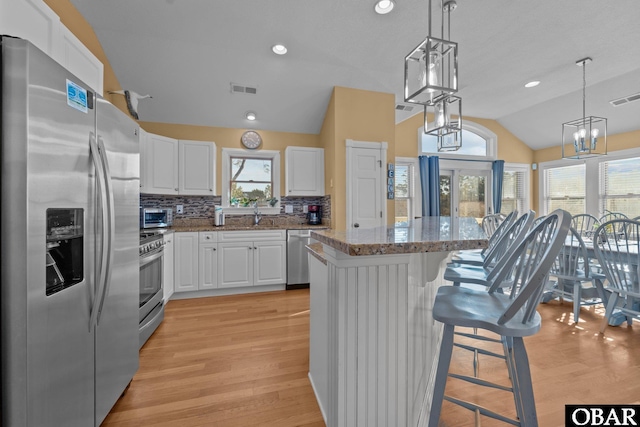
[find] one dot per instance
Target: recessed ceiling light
(532, 84)
(279, 49)
(250, 115)
(383, 7)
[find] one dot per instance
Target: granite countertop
(429, 234)
(317, 250)
(259, 227)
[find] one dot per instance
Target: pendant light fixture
(585, 137)
(431, 79)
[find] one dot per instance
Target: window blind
(564, 188)
(514, 193)
(620, 186)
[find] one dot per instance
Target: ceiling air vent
(400, 107)
(237, 88)
(625, 100)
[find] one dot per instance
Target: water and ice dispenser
(65, 257)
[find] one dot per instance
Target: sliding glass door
(465, 193)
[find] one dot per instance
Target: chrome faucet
(257, 215)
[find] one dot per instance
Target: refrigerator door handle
(110, 213)
(95, 157)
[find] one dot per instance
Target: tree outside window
(251, 180)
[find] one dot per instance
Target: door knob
(356, 225)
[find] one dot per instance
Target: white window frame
(415, 195)
(273, 155)
(485, 133)
(592, 177)
(524, 168)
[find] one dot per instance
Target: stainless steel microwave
(155, 218)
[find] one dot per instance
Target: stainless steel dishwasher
(297, 261)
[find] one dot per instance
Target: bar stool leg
(525, 388)
(446, 347)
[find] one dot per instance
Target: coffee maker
(314, 215)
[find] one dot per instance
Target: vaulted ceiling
(186, 54)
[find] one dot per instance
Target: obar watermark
(601, 415)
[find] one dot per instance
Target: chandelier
(585, 137)
(431, 79)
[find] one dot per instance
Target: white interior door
(365, 184)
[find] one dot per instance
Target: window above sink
(248, 177)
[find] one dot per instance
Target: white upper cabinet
(81, 62)
(197, 168)
(304, 171)
(33, 20)
(159, 163)
(171, 166)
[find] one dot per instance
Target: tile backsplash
(202, 207)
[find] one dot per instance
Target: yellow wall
(327, 138)
(230, 138)
(359, 115)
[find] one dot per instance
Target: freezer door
(117, 334)
(47, 343)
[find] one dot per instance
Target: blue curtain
(423, 164)
(430, 184)
(498, 177)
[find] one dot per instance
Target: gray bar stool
(512, 315)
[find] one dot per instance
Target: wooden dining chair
(571, 277)
(618, 253)
(483, 274)
(491, 222)
(610, 216)
(585, 224)
(511, 315)
(477, 257)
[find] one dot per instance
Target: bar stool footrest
(483, 411)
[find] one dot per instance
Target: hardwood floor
(243, 361)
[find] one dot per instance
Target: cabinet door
(167, 276)
(33, 20)
(270, 263)
(304, 171)
(235, 262)
(208, 266)
(197, 168)
(186, 261)
(161, 165)
(81, 62)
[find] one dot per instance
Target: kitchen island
(373, 343)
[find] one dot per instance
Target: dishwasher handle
(299, 235)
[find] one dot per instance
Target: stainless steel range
(151, 293)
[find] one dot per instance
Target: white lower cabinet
(252, 263)
(208, 261)
(229, 259)
(252, 258)
(186, 262)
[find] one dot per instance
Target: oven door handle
(149, 259)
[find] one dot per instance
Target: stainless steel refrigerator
(68, 245)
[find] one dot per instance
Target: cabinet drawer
(208, 237)
(251, 236)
